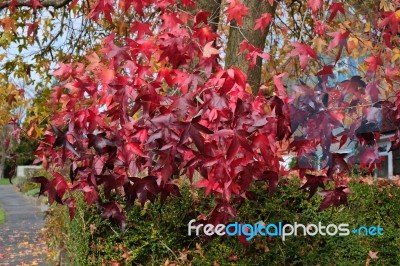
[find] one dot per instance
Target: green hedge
(157, 233)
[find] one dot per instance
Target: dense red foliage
(146, 111)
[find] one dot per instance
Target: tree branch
(45, 3)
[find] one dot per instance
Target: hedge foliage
(157, 234)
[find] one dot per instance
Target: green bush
(28, 187)
(157, 233)
(24, 151)
(4, 181)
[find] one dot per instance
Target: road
(20, 238)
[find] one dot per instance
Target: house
(390, 159)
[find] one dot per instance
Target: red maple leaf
(126, 4)
(335, 197)
(188, 3)
(252, 53)
(338, 164)
(102, 6)
(32, 28)
(59, 184)
(115, 52)
(326, 70)
(387, 39)
(138, 6)
(304, 52)
(72, 4)
(48, 187)
(237, 11)
(281, 91)
(373, 90)
(325, 73)
(320, 28)
(373, 63)
(204, 34)
(273, 180)
(209, 184)
(141, 29)
(62, 140)
(201, 16)
(263, 22)
(312, 184)
(392, 19)
(13, 5)
(35, 4)
(114, 211)
(314, 5)
(339, 38)
(334, 8)
(170, 21)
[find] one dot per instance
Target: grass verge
(2, 216)
(4, 181)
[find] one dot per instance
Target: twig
(170, 250)
(28, 3)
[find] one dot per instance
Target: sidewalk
(20, 242)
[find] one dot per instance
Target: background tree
(12, 107)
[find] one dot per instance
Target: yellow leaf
(8, 24)
(346, 24)
(367, 27)
(384, 5)
(352, 43)
(318, 44)
(396, 54)
(122, 27)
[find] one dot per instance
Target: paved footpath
(20, 239)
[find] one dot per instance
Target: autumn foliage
(156, 104)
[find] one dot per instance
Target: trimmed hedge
(157, 233)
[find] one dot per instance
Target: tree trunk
(256, 38)
(214, 8)
(2, 151)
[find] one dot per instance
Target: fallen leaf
(373, 254)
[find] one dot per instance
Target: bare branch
(45, 3)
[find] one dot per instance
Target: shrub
(157, 233)
(24, 154)
(27, 186)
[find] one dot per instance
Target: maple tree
(216, 92)
(12, 106)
